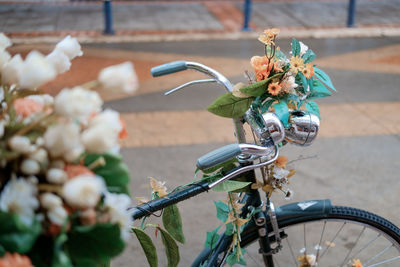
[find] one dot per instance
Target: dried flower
(121, 77)
(236, 90)
(307, 260)
(15, 260)
(158, 187)
(268, 36)
(356, 263)
(25, 107)
(288, 84)
(281, 161)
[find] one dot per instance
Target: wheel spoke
(366, 246)
(355, 244)
(305, 243)
(333, 239)
(385, 261)
(291, 252)
(379, 254)
(320, 242)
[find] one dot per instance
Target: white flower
(4, 57)
(83, 191)
(56, 176)
(280, 173)
(30, 167)
(288, 84)
(58, 215)
(117, 205)
(43, 99)
(40, 155)
(70, 47)
(2, 124)
(36, 71)
(303, 48)
(59, 61)
(20, 144)
(50, 201)
(102, 133)
(4, 41)
(11, 70)
(62, 138)
(77, 103)
(19, 196)
(121, 77)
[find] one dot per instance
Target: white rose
(120, 77)
(30, 167)
(59, 60)
(4, 57)
(70, 47)
(303, 48)
(56, 176)
(4, 41)
(77, 103)
(36, 71)
(50, 201)
(57, 215)
(62, 138)
(117, 205)
(20, 144)
(11, 70)
(83, 191)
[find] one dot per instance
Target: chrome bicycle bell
(303, 128)
(266, 126)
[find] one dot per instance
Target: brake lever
(189, 83)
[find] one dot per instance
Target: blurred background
(356, 159)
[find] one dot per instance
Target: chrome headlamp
(303, 128)
(266, 126)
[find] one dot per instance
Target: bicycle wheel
(340, 237)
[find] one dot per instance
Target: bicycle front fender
(303, 209)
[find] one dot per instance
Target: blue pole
(247, 15)
(351, 13)
(108, 29)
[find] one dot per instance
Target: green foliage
(224, 166)
(296, 48)
(15, 236)
(323, 77)
(312, 107)
(282, 111)
(114, 172)
(235, 258)
(173, 223)
(303, 80)
(229, 229)
(229, 106)
(60, 258)
(265, 106)
(318, 90)
(229, 186)
(308, 56)
(222, 210)
(98, 243)
(212, 238)
(256, 89)
(147, 245)
(280, 55)
(171, 248)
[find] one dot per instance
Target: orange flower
(281, 161)
(75, 170)
(308, 70)
(356, 263)
(158, 187)
(274, 88)
(296, 64)
(15, 260)
(269, 35)
(123, 133)
(26, 107)
(262, 67)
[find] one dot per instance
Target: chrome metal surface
(212, 73)
(266, 126)
(188, 84)
(255, 149)
(303, 129)
(275, 227)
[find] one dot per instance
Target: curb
(339, 32)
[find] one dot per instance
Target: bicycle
(337, 235)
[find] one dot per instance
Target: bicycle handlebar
(171, 67)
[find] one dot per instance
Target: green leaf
(265, 106)
(323, 77)
(280, 55)
(115, 173)
(304, 81)
(308, 56)
(173, 223)
(222, 210)
(15, 236)
(312, 107)
(99, 242)
(212, 238)
(229, 186)
(255, 89)
(171, 248)
(296, 48)
(60, 258)
(315, 95)
(229, 229)
(228, 165)
(147, 245)
(320, 87)
(311, 83)
(229, 106)
(282, 111)
(232, 258)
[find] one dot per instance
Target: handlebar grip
(218, 156)
(168, 68)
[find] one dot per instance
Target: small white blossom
(280, 173)
(11, 70)
(117, 205)
(56, 176)
(36, 71)
(62, 138)
(20, 144)
(70, 47)
(2, 124)
(4, 57)
(121, 77)
(50, 201)
(43, 99)
(58, 215)
(83, 191)
(4, 41)
(40, 155)
(59, 61)
(303, 48)
(77, 103)
(288, 84)
(19, 196)
(30, 167)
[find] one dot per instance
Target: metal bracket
(275, 227)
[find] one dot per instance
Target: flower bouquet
(63, 186)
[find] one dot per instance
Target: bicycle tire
(340, 233)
